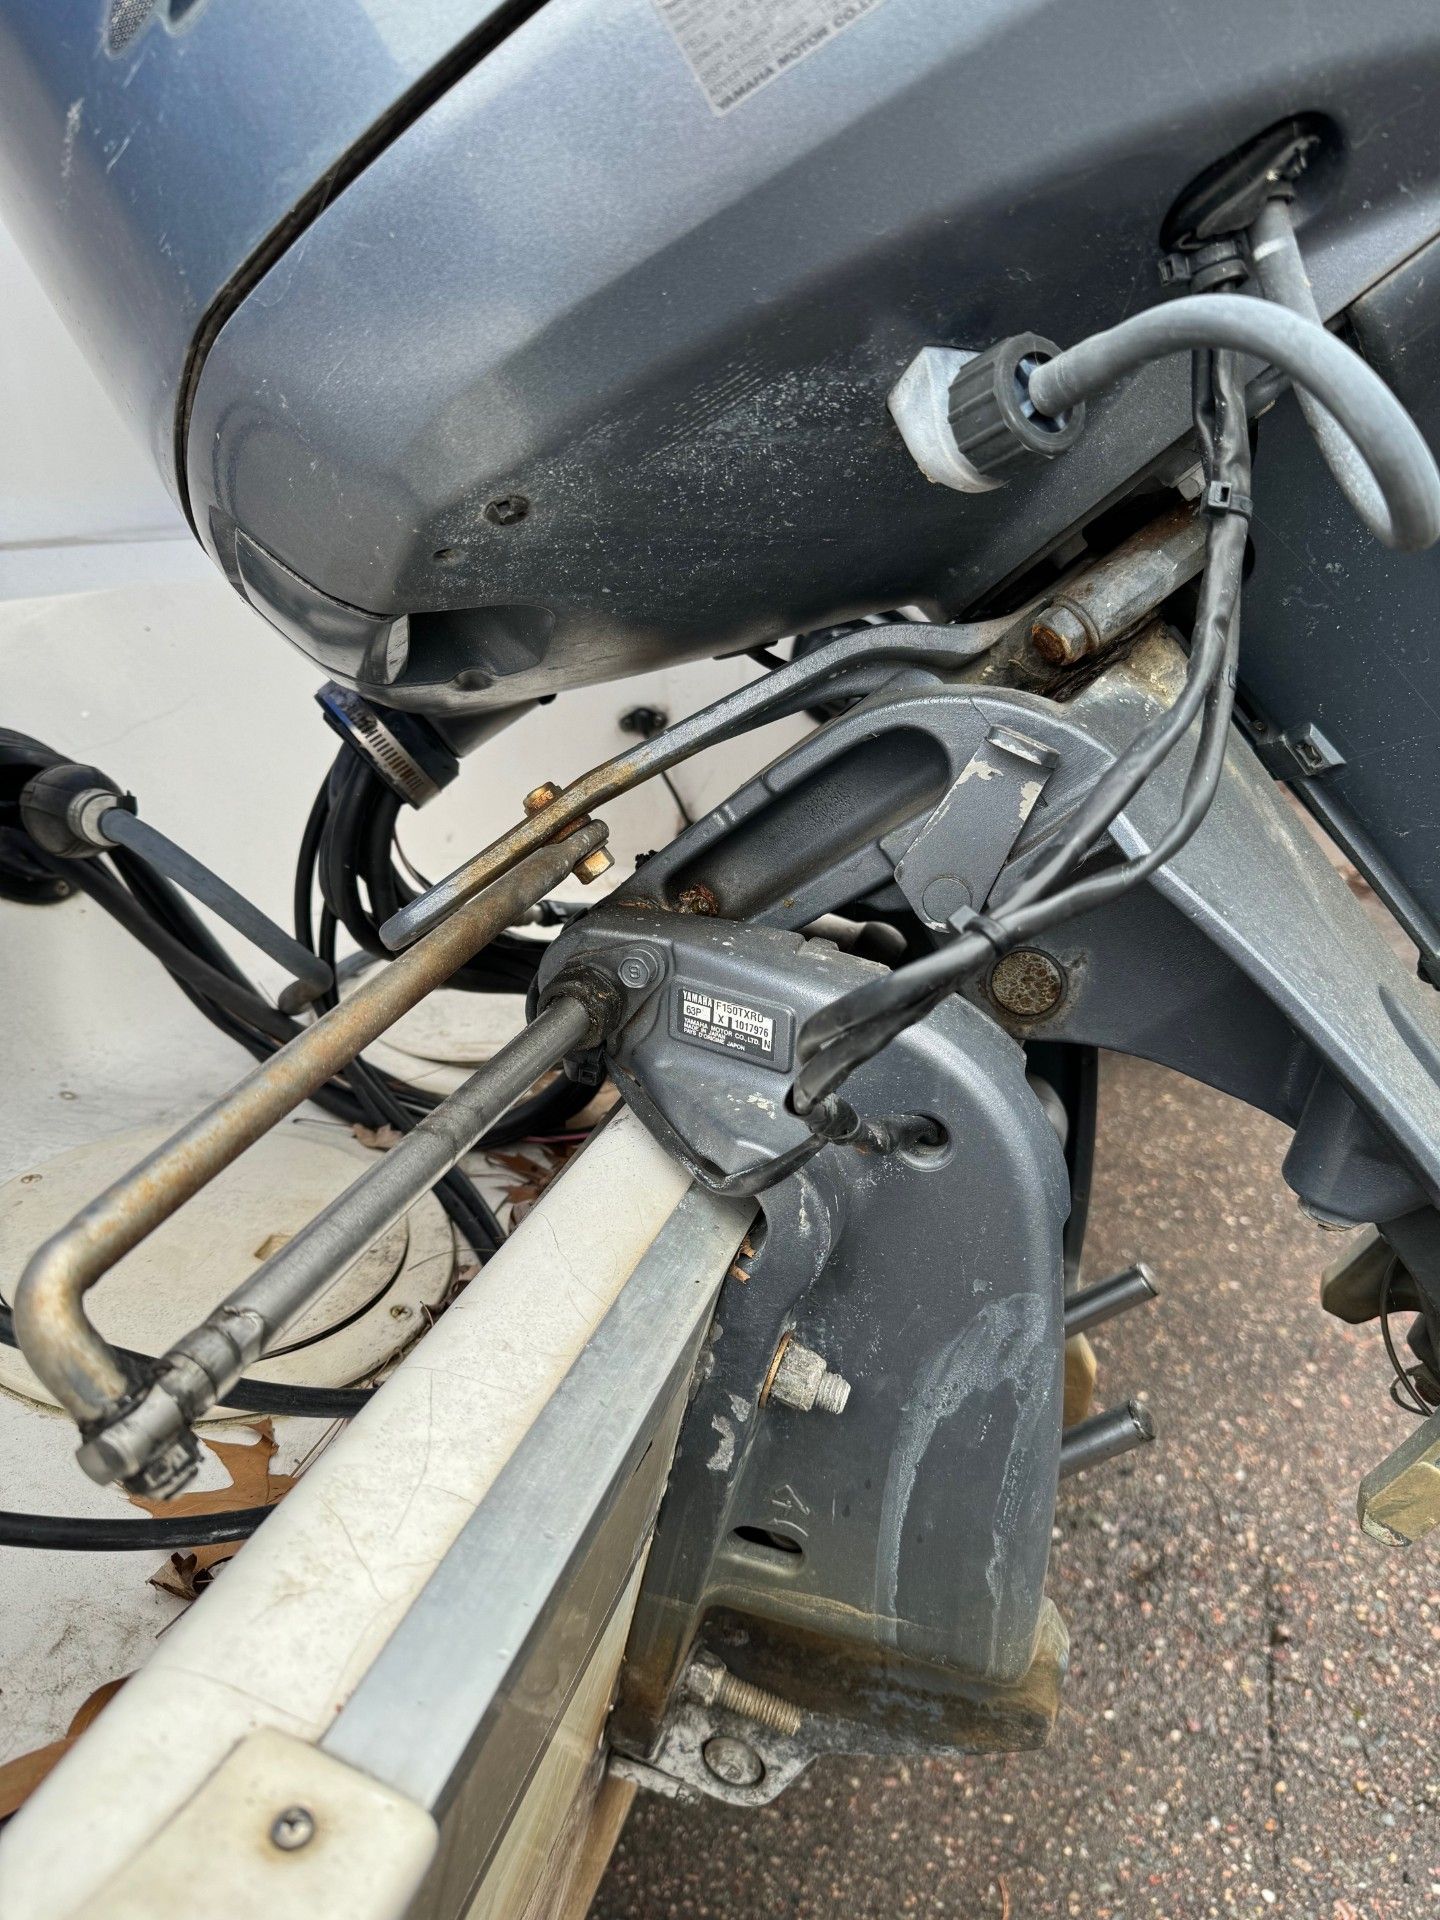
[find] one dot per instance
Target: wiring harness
(1388, 472)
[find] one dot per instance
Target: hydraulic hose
(1382, 432)
(1283, 280)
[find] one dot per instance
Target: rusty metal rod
(782, 692)
(1115, 593)
(201, 1366)
(82, 1369)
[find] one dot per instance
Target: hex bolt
(733, 1761)
(639, 969)
(799, 1378)
(1060, 636)
(594, 864)
(712, 1684)
(293, 1828)
(540, 797)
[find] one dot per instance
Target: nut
(1027, 982)
(799, 1378)
(1060, 636)
(594, 864)
(733, 1761)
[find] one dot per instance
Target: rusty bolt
(1026, 982)
(540, 797)
(712, 1684)
(594, 864)
(799, 1378)
(1060, 636)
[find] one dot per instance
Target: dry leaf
(20, 1777)
(382, 1138)
(188, 1573)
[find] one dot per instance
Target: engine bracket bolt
(733, 1761)
(709, 1682)
(1027, 982)
(799, 1378)
(639, 969)
(1060, 636)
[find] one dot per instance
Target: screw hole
(931, 1153)
(771, 1541)
(447, 556)
(508, 510)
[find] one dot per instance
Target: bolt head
(1026, 982)
(733, 1761)
(540, 797)
(800, 1379)
(703, 1678)
(1060, 636)
(292, 1829)
(594, 865)
(507, 511)
(639, 969)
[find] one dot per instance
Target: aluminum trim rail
(446, 1708)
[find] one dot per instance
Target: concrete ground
(1250, 1721)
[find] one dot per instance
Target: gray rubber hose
(1382, 434)
(1283, 279)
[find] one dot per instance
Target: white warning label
(735, 47)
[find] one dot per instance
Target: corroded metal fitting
(799, 1378)
(1061, 636)
(711, 1684)
(594, 864)
(1027, 982)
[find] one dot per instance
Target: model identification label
(745, 1027)
(735, 47)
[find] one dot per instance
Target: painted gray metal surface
(673, 332)
(139, 181)
(920, 1516)
(1246, 962)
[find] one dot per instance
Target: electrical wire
(77, 1533)
(1403, 1390)
(839, 1038)
(1382, 434)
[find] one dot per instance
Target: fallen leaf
(381, 1138)
(20, 1777)
(252, 1484)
